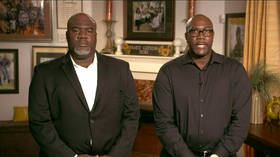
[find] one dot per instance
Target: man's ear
(186, 36)
(67, 36)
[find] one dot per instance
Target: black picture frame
(234, 35)
(156, 22)
(9, 71)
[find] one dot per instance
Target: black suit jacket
(61, 121)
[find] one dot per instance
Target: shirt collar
(94, 63)
(215, 58)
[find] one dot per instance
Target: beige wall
(214, 9)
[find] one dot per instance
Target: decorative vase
(257, 112)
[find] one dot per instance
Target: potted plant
(260, 78)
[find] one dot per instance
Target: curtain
(262, 40)
(255, 33)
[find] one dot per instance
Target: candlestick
(109, 45)
(109, 10)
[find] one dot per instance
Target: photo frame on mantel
(151, 20)
(26, 20)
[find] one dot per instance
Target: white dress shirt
(88, 80)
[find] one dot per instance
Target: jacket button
(91, 121)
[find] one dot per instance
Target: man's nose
(82, 34)
(201, 34)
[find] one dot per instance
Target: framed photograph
(8, 71)
(25, 20)
(65, 9)
(42, 54)
(149, 20)
(234, 35)
(163, 50)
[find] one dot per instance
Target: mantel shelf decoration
(108, 21)
(165, 50)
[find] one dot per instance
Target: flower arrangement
(166, 51)
(126, 49)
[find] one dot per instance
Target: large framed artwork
(8, 71)
(149, 20)
(234, 36)
(25, 20)
(42, 54)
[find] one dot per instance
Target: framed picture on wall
(234, 36)
(42, 54)
(149, 20)
(26, 20)
(65, 9)
(8, 71)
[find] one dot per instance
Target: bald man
(201, 99)
(83, 104)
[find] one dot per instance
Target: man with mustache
(83, 104)
(202, 99)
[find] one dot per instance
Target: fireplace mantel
(144, 67)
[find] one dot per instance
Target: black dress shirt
(197, 110)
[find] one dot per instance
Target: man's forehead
(82, 24)
(81, 19)
(201, 26)
(201, 21)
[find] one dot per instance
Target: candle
(108, 10)
(191, 9)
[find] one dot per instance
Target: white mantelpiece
(144, 67)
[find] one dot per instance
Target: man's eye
(207, 30)
(195, 31)
(75, 30)
(90, 30)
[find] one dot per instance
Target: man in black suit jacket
(83, 104)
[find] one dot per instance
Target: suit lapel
(71, 75)
(101, 79)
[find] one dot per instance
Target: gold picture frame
(42, 54)
(234, 36)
